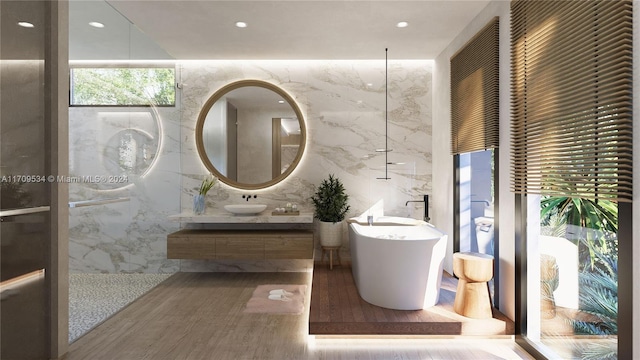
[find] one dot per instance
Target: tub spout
(425, 200)
(370, 220)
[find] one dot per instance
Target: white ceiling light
(280, 101)
(96, 24)
(241, 24)
(402, 24)
(25, 24)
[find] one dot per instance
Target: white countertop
(227, 218)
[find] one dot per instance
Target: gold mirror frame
(219, 94)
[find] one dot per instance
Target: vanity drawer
(239, 248)
(186, 244)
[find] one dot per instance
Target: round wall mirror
(250, 134)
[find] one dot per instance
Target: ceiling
(317, 30)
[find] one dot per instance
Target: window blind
(474, 93)
(571, 83)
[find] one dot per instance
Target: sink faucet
(425, 200)
(249, 197)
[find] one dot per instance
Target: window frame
(496, 218)
(625, 280)
(72, 67)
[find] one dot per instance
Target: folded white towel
(280, 297)
(280, 292)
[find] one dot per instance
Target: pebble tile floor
(93, 298)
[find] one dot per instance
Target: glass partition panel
(476, 221)
(572, 276)
(123, 162)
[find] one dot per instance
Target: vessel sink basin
(245, 209)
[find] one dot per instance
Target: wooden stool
(472, 295)
(548, 284)
(331, 249)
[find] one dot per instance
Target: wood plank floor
(200, 316)
(336, 309)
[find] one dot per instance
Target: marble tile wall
(344, 107)
(139, 150)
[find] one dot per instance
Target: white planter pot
(330, 233)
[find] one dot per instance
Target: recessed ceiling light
(280, 101)
(402, 24)
(241, 24)
(96, 24)
(25, 24)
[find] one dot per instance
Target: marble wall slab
(343, 103)
(127, 236)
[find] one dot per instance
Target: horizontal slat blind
(571, 83)
(474, 93)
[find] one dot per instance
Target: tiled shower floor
(93, 298)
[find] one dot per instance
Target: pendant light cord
(386, 117)
(386, 114)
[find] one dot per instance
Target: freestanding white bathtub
(398, 267)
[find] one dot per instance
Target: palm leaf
(599, 297)
(600, 351)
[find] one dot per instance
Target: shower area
(123, 166)
(118, 196)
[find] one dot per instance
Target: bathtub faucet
(425, 200)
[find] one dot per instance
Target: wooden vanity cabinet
(240, 244)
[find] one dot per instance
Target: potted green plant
(331, 206)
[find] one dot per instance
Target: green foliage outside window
(597, 221)
(599, 299)
(593, 226)
(123, 86)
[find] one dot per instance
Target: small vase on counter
(198, 199)
(198, 204)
